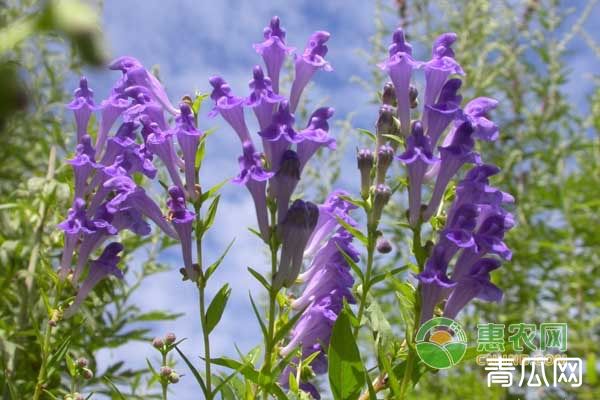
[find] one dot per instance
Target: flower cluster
(107, 198)
(328, 284)
(476, 222)
(285, 148)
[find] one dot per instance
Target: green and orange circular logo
(441, 343)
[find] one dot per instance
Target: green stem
(366, 283)
(272, 316)
(201, 283)
(39, 386)
(163, 380)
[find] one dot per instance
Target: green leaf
(288, 326)
(381, 276)
(216, 307)
(379, 325)
(346, 371)
(58, 355)
(212, 192)
(157, 316)
(194, 371)
(263, 328)
(367, 133)
(210, 215)
(260, 278)
(197, 104)
(114, 388)
(213, 267)
(406, 295)
(355, 232)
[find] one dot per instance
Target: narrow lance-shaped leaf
(216, 307)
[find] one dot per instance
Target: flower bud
(82, 362)
(165, 371)
(385, 155)
(385, 124)
(381, 197)
(158, 343)
(170, 338)
(173, 378)
(388, 96)
(413, 95)
(383, 245)
(87, 373)
(364, 160)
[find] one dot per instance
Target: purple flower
(189, 139)
(476, 111)
(143, 104)
(334, 207)
(331, 252)
(308, 63)
(134, 74)
(433, 280)
(161, 143)
(285, 181)
(294, 230)
(273, 50)
(315, 135)
(440, 67)
(100, 268)
(453, 157)
(399, 66)
(314, 326)
(110, 110)
(475, 284)
(323, 282)
(417, 157)
(182, 219)
(229, 106)
(278, 136)
(82, 106)
(128, 194)
(83, 164)
(438, 116)
(262, 98)
(123, 139)
(74, 226)
(255, 178)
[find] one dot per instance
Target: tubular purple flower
(229, 106)
(278, 136)
(182, 220)
(188, 138)
(437, 117)
(262, 98)
(134, 74)
(399, 66)
(476, 111)
(308, 63)
(123, 139)
(417, 157)
(315, 135)
(440, 67)
(255, 178)
(143, 104)
(273, 50)
(475, 284)
(325, 280)
(110, 110)
(433, 281)
(453, 157)
(128, 194)
(333, 208)
(331, 252)
(294, 230)
(74, 226)
(161, 143)
(285, 181)
(365, 160)
(100, 268)
(314, 326)
(83, 164)
(82, 106)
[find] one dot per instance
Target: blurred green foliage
(42, 45)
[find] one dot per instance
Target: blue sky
(193, 40)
